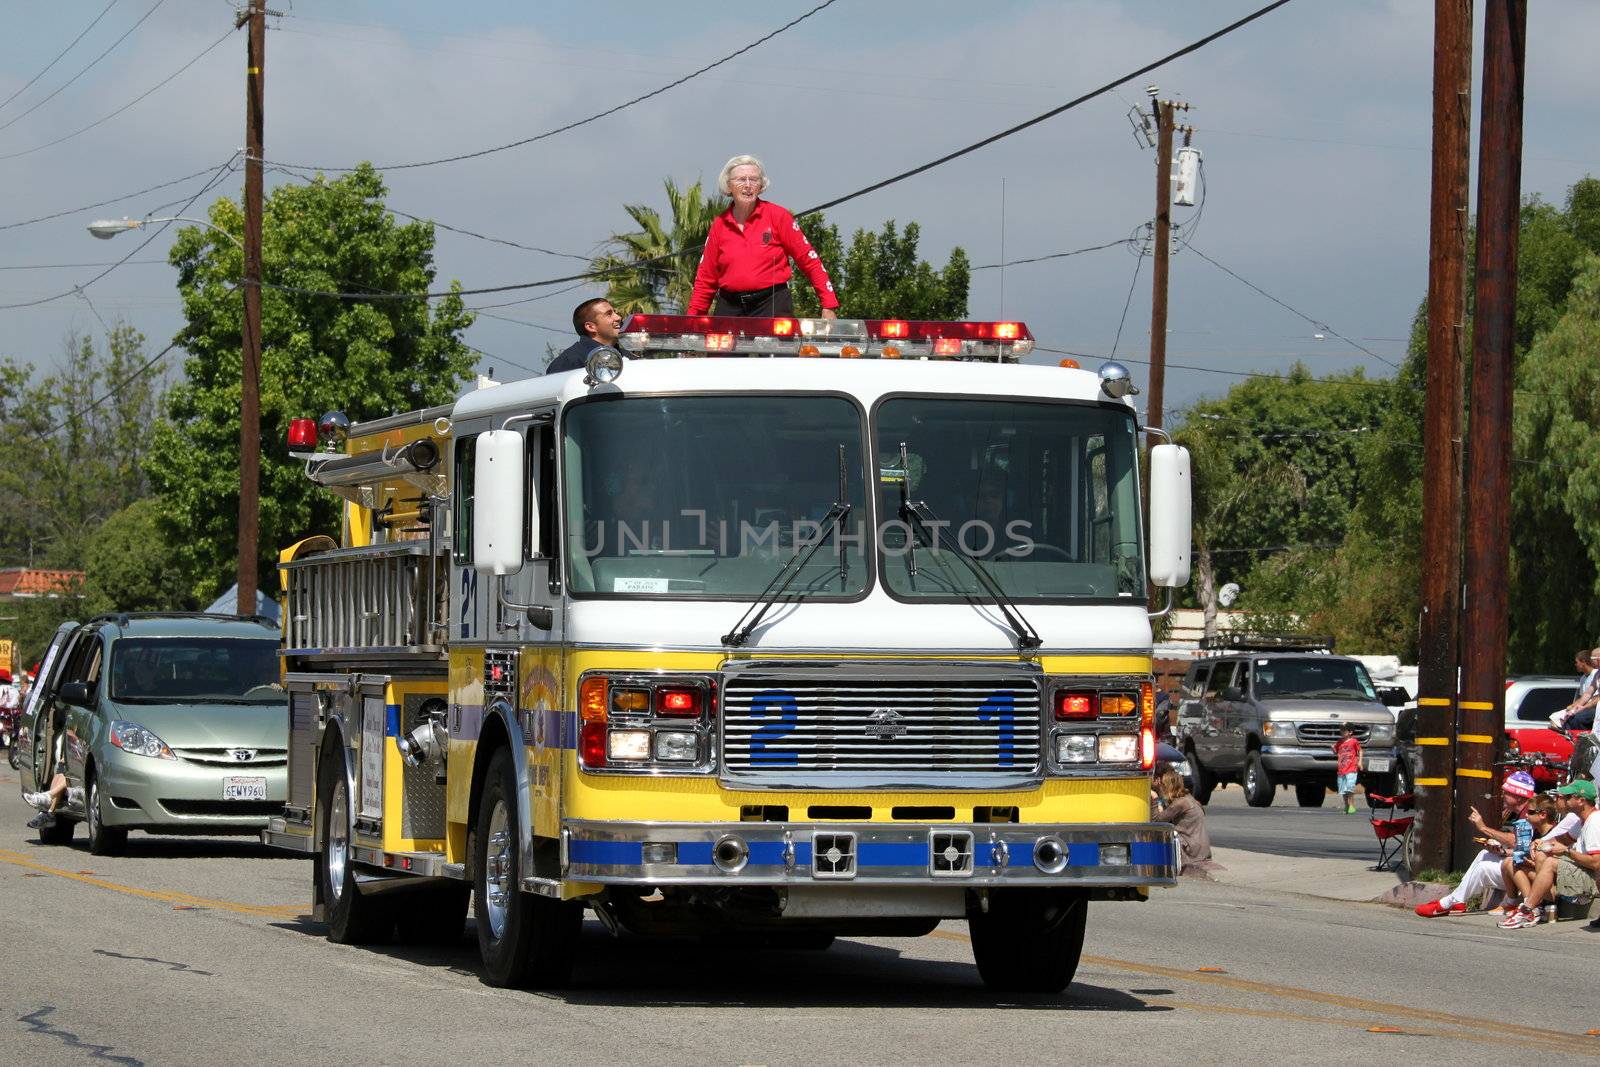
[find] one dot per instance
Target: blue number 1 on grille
(1001, 708)
(780, 707)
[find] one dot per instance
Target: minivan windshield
(1313, 677)
(195, 670)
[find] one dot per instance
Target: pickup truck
(1265, 719)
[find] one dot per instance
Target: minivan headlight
(135, 739)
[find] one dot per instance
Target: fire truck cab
(779, 628)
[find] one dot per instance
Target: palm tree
(651, 270)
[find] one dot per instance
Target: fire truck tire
(353, 919)
(432, 916)
(1029, 940)
(525, 940)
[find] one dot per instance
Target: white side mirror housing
(1171, 529)
(497, 503)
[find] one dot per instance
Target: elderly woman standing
(745, 267)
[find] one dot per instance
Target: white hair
(741, 161)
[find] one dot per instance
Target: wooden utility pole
(1480, 731)
(1164, 112)
(250, 383)
(1437, 679)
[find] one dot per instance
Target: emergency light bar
(658, 336)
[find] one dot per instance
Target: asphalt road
(188, 951)
(1286, 829)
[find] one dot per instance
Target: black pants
(757, 303)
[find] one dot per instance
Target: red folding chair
(1390, 827)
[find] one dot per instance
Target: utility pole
(1165, 112)
(250, 385)
(1437, 678)
(1480, 733)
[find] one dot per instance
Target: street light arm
(105, 229)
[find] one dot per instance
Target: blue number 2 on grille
(782, 711)
(1001, 709)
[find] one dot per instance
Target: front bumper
(1304, 759)
(901, 854)
(142, 792)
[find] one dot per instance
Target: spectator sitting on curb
(1188, 818)
(1548, 825)
(1485, 872)
(1561, 869)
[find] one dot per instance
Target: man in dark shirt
(597, 324)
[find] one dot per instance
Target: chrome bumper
(977, 854)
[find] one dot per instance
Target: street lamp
(250, 363)
(106, 229)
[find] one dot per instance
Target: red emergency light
(303, 433)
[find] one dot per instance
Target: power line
(1053, 112)
(1127, 302)
(52, 95)
(595, 275)
(592, 118)
(117, 388)
(1324, 327)
(58, 266)
(29, 83)
(103, 203)
(221, 172)
(1053, 255)
(107, 118)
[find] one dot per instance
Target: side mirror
(1232, 693)
(76, 694)
(1393, 696)
(497, 503)
(1170, 522)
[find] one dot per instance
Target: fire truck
(785, 629)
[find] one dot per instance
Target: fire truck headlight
(1075, 748)
(605, 365)
(1119, 748)
(628, 746)
(676, 746)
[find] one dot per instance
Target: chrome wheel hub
(338, 845)
(498, 868)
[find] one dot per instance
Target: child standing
(1349, 752)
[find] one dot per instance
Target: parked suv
(169, 723)
(1266, 719)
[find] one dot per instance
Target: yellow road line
(275, 911)
(1548, 1039)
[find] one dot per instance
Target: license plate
(1378, 764)
(244, 789)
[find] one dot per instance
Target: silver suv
(1266, 719)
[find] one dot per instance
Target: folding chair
(1391, 828)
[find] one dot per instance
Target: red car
(1529, 703)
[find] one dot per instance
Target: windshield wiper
(1027, 636)
(785, 577)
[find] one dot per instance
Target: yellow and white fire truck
(841, 628)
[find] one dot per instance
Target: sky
(1313, 122)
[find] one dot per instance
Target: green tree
(364, 356)
(880, 276)
(77, 441)
(130, 565)
(651, 269)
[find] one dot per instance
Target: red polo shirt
(756, 256)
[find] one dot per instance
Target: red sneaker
(1458, 908)
(1433, 909)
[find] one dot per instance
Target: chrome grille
(805, 722)
(226, 757)
(1328, 733)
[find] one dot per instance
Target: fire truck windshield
(709, 496)
(1042, 495)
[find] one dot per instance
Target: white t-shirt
(1568, 826)
(1589, 837)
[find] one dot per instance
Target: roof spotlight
(1115, 382)
(604, 366)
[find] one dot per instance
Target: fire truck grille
(908, 726)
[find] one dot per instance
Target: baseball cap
(1579, 788)
(1520, 784)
